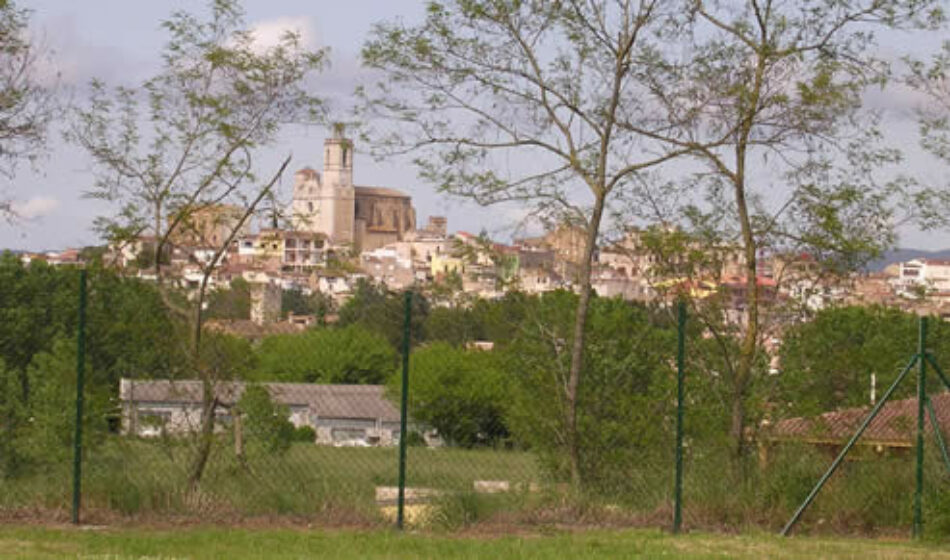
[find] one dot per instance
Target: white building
(928, 275)
(386, 266)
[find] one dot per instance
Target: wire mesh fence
(297, 427)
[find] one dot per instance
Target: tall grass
(130, 479)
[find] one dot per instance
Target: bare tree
(184, 142)
(930, 78)
(525, 101)
(768, 93)
(26, 103)
(185, 139)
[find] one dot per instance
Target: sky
(119, 41)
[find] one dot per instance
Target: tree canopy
(187, 138)
(349, 354)
(461, 393)
(26, 97)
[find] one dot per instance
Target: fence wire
(298, 427)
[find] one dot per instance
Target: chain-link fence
(309, 425)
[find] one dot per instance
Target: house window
(348, 434)
(152, 423)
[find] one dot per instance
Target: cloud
(267, 33)
(36, 207)
(897, 99)
(67, 57)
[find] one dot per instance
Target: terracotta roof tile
(895, 425)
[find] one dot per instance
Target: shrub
(305, 434)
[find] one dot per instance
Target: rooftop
(328, 401)
(894, 426)
(379, 191)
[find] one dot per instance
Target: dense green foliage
(134, 332)
(297, 302)
(230, 303)
(827, 363)
(625, 400)
(342, 355)
(266, 423)
(374, 308)
(130, 333)
(509, 398)
(461, 393)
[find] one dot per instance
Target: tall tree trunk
(577, 350)
(157, 245)
(210, 402)
(747, 350)
(205, 437)
(749, 346)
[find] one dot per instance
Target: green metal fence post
(403, 413)
(680, 357)
(80, 381)
(921, 402)
(854, 439)
(938, 435)
(936, 366)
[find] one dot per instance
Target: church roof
(308, 172)
(380, 191)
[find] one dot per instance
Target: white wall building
(931, 275)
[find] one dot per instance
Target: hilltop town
(336, 234)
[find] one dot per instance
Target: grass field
(245, 544)
(129, 483)
(133, 478)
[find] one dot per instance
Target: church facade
(364, 218)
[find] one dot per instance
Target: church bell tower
(337, 193)
(327, 204)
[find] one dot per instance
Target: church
(363, 218)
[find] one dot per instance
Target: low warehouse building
(358, 415)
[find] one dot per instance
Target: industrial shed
(358, 415)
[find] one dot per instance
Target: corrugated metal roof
(328, 401)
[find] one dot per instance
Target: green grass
(133, 482)
(245, 544)
(136, 478)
